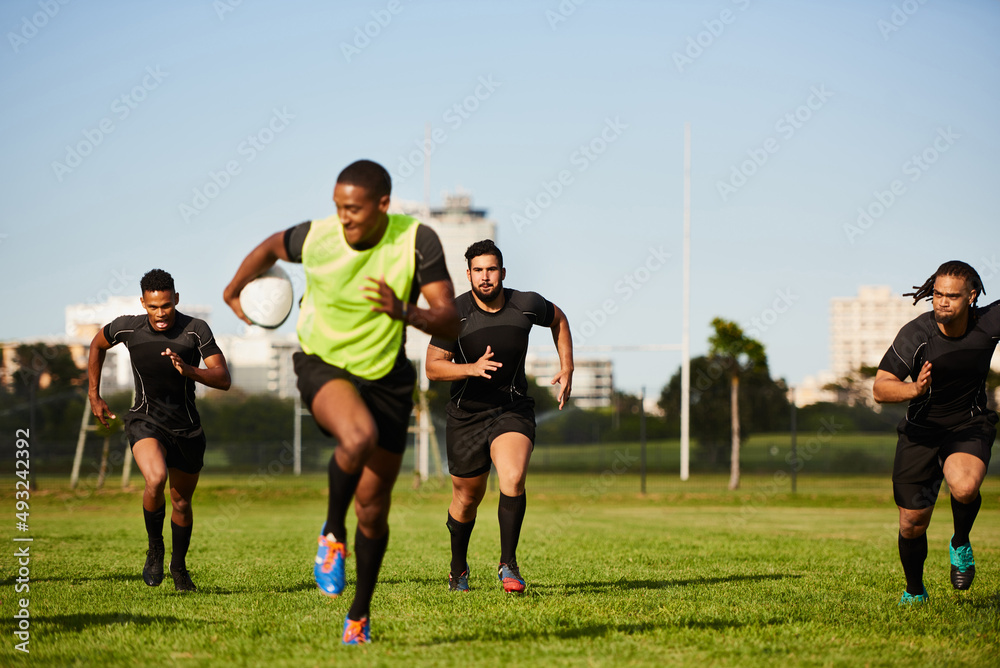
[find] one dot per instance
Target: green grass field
(699, 577)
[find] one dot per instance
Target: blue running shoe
(329, 568)
(910, 599)
(511, 578)
(460, 583)
(963, 566)
(357, 633)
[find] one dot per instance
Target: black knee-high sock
(154, 525)
(511, 514)
(461, 532)
(181, 539)
(913, 553)
(368, 553)
(342, 487)
(965, 515)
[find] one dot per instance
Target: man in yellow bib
(364, 271)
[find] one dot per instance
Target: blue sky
(179, 135)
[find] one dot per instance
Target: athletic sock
(181, 539)
(965, 515)
(511, 514)
(154, 525)
(342, 487)
(461, 532)
(913, 553)
(368, 553)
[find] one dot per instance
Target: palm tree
(737, 352)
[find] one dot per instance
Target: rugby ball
(267, 300)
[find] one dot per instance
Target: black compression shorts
(469, 435)
(920, 454)
(184, 453)
(389, 398)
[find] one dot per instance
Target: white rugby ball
(267, 300)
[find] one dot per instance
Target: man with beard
(948, 430)
(490, 416)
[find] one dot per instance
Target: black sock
(461, 532)
(154, 525)
(342, 487)
(181, 538)
(368, 553)
(511, 514)
(913, 553)
(965, 515)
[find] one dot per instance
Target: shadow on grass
(988, 602)
(599, 587)
(81, 621)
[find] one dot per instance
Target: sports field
(700, 578)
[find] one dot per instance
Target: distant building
(593, 378)
(458, 225)
(862, 328)
(260, 362)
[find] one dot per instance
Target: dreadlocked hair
(955, 268)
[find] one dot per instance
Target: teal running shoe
(910, 599)
(329, 567)
(357, 633)
(963, 566)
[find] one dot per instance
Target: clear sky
(179, 135)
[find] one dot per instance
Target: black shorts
(469, 435)
(389, 398)
(920, 454)
(186, 453)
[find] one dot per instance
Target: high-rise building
(862, 328)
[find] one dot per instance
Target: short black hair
(484, 247)
(368, 175)
(156, 280)
(955, 268)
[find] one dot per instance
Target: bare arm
(439, 365)
(216, 375)
(256, 263)
(95, 364)
(564, 346)
(891, 390)
(441, 319)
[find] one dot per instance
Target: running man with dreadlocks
(948, 430)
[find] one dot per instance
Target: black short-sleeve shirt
(162, 395)
(430, 264)
(506, 333)
(959, 366)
